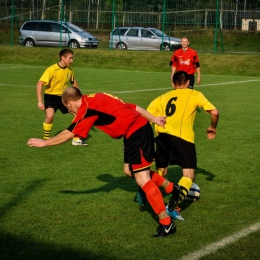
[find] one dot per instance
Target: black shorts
(139, 149)
(172, 150)
(54, 101)
(192, 79)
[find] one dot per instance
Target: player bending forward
(121, 120)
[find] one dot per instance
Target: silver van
(142, 38)
(50, 33)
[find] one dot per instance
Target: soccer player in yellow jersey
(175, 142)
(55, 80)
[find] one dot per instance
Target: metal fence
(104, 15)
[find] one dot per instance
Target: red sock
(165, 221)
(169, 188)
(156, 178)
(154, 197)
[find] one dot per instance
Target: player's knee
(162, 171)
(127, 171)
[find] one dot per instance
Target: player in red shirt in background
(186, 59)
(121, 120)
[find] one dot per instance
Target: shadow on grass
(127, 184)
(111, 183)
(18, 198)
(15, 247)
(25, 248)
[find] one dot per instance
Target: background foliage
(100, 14)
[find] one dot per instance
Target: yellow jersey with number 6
(179, 106)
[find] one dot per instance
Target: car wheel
(29, 43)
(121, 46)
(166, 47)
(74, 44)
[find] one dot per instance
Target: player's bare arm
(198, 78)
(173, 71)
(211, 131)
(75, 83)
(159, 120)
(39, 87)
(62, 137)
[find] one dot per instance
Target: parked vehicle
(51, 33)
(141, 38)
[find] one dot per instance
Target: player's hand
(36, 142)
(160, 120)
(211, 133)
(41, 106)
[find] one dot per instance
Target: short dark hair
(185, 37)
(71, 94)
(65, 52)
(180, 78)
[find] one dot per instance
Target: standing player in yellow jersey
(175, 142)
(55, 80)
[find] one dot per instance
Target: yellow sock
(160, 172)
(185, 184)
(76, 138)
(46, 130)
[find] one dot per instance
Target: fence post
(216, 27)
(61, 20)
(12, 24)
(163, 22)
(216, 30)
(113, 26)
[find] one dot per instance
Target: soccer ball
(194, 193)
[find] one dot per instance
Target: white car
(142, 38)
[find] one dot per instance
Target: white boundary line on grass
(213, 247)
(215, 84)
(146, 90)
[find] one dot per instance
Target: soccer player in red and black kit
(121, 120)
(186, 59)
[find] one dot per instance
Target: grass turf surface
(68, 202)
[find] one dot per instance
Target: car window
(30, 26)
(74, 27)
(158, 32)
(132, 32)
(146, 33)
(44, 27)
(119, 31)
(56, 28)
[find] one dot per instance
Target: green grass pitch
(68, 202)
